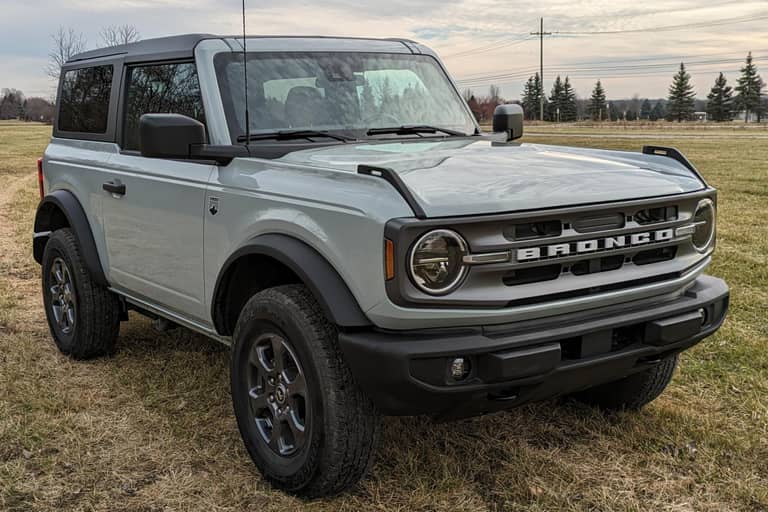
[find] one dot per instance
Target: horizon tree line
(723, 101)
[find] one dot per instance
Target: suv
(359, 243)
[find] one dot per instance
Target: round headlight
(436, 262)
(704, 220)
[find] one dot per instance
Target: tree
(66, 43)
(568, 109)
(749, 90)
(597, 102)
(494, 95)
(39, 109)
(532, 93)
(720, 100)
(645, 110)
(115, 35)
(11, 103)
(681, 96)
(658, 112)
(555, 105)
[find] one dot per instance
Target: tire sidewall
(56, 249)
(268, 316)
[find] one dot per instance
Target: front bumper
(408, 373)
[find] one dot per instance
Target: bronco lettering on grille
(594, 245)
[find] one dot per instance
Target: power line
(488, 48)
(568, 65)
(610, 71)
(573, 68)
(668, 28)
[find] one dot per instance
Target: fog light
(704, 316)
(460, 368)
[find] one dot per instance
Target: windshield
(349, 93)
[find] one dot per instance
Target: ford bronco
(330, 208)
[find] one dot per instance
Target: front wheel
(633, 392)
(307, 426)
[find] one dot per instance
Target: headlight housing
(436, 262)
(704, 220)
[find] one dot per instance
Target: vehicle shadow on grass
(503, 460)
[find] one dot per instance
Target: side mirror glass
(508, 119)
(169, 135)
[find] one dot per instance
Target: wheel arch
(61, 209)
(281, 259)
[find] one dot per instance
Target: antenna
(245, 83)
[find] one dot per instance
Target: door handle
(114, 187)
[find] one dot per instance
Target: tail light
(40, 177)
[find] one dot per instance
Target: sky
(633, 47)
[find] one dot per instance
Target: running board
(173, 317)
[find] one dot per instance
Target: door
(153, 208)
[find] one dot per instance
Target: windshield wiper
(294, 134)
(410, 129)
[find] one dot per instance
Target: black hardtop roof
(179, 46)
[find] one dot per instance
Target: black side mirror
(169, 135)
(509, 119)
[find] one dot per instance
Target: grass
(151, 429)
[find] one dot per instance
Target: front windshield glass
(347, 93)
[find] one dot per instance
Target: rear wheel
(633, 392)
(83, 317)
(307, 426)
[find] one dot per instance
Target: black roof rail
(397, 182)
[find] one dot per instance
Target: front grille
(593, 224)
(564, 253)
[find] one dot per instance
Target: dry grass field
(151, 429)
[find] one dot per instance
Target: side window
(85, 99)
(160, 89)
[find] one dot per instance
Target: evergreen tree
(681, 96)
(749, 90)
(645, 110)
(720, 100)
(529, 99)
(612, 112)
(531, 93)
(597, 102)
(555, 107)
(568, 108)
(658, 112)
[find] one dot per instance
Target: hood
(479, 176)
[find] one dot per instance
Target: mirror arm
(221, 154)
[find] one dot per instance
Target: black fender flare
(325, 283)
(46, 222)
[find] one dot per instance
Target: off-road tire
(96, 310)
(633, 392)
(343, 425)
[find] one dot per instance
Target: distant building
(753, 117)
(699, 116)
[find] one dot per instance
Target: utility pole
(541, 35)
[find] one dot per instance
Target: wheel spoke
(62, 318)
(297, 386)
(278, 349)
(70, 316)
(276, 436)
(297, 427)
(259, 401)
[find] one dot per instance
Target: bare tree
(115, 35)
(66, 43)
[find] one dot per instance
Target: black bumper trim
(406, 373)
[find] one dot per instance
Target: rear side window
(85, 99)
(160, 89)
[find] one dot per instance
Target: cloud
(452, 27)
